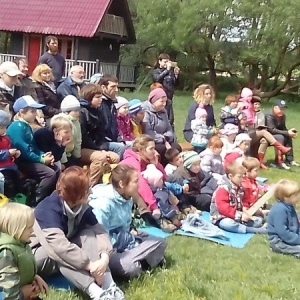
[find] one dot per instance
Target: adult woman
(67, 237)
(113, 207)
(46, 91)
(143, 153)
(94, 150)
(157, 125)
(204, 96)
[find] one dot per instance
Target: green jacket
(17, 266)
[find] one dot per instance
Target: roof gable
(58, 17)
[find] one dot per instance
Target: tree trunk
(212, 73)
(253, 73)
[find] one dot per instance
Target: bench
(186, 146)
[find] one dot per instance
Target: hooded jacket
(92, 127)
(167, 78)
(157, 125)
(132, 158)
(210, 162)
(227, 201)
(51, 229)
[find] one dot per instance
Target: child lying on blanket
(227, 206)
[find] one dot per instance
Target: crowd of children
(74, 210)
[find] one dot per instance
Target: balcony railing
(125, 73)
(113, 24)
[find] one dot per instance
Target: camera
(174, 64)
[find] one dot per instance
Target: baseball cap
(280, 103)
(26, 101)
(10, 68)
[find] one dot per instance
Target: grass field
(198, 269)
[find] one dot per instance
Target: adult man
(53, 59)
(9, 92)
(109, 85)
(72, 84)
(166, 75)
(275, 122)
(27, 87)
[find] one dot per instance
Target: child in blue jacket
(33, 162)
(283, 223)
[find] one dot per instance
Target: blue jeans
(118, 148)
(231, 225)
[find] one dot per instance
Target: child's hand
(185, 188)
(12, 152)
(168, 146)
(40, 285)
(66, 142)
(28, 291)
(18, 153)
(156, 214)
(245, 217)
(49, 159)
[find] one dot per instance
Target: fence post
(97, 69)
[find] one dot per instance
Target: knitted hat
(248, 93)
(156, 94)
(242, 137)
(189, 158)
(121, 102)
(229, 129)
(4, 118)
(152, 175)
(200, 112)
(70, 103)
(135, 105)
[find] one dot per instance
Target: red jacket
(251, 191)
(6, 160)
(132, 158)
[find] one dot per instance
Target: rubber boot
(261, 157)
(281, 148)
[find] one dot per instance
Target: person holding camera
(166, 73)
(275, 122)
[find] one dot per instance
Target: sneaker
(116, 293)
(294, 163)
(167, 226)
(284, 166)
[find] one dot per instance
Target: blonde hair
(141, 142)
(14, 218)
(36, 74)
(199, 93)
(285, 189)
(60, 121)
(234, 168)
(39, 113)
(250, 163)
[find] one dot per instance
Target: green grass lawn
(199, 269)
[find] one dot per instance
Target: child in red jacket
(226, 208)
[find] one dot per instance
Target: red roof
(58, 17)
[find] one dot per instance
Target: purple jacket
(125, 128)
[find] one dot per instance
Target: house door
(34, 52)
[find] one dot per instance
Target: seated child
(211, 160)
(17, 263)
(166, 201)
(283, 222)
(229, 113)
(201, 132)
(33, 162)
(201, 184)
(250, 185)
(226, 208)
(242, 144)
(137, 113)
(70, 106)
(123, 120)
(175, 160)
(39, 121)
(8, 168)
(112, 205)
(229, 133)
(56, 138)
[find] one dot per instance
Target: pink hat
(246, 92)
(229, 129)
(200, 112)
(152, 175)
(156, 94)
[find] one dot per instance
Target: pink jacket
(131, 158)
(125, 128)
(246, 97)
